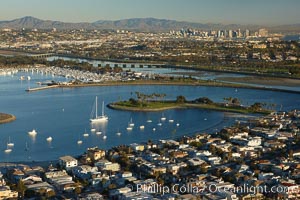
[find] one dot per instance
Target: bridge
(44, 55)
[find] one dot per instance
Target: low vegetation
(156, 102)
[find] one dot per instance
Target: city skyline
(276, 12)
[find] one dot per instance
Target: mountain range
(138, 24)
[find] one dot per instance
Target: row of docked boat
(142, 127)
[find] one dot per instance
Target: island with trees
(5, 118)
(156, 102)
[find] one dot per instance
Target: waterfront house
(95, 153)
(137, 147)
(67, 162)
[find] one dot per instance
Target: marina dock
(41, 88)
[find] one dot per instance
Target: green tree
(21, 188)
(180, 99)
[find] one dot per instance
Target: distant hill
(32, 22)
(140, 24)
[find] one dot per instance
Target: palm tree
(21, 188)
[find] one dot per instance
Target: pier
(41, 88)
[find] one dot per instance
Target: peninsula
(5, 118)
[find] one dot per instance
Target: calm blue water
(64, 115)
(291, 37)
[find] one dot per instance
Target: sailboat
(98, 133)
(102, 117)
(85, 134)
(131, 124)
(79, 141)
(32, 133)
(10, 144)
(163, 118)
(49, 139)
(7, 150)
(26, 147)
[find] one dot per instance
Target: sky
(262, 12)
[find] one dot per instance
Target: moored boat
(49, 139)
(32, 133)
(100, 118)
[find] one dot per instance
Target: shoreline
(140, 83)
(188, 106)
(269, 81)
(6, 118)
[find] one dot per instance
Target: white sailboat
(85, 134)
(131, 124)
(163, 118)
(32, 133)
(102, 117)
(49, 139)
(10, 144)
(79, 141)
(7, 150)
(98, 133)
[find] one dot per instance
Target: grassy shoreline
(155, 106)
(6, 118)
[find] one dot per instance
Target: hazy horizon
(267, 12)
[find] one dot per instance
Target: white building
(68, 162)
(107, 165)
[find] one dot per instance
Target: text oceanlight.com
(211, 188)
